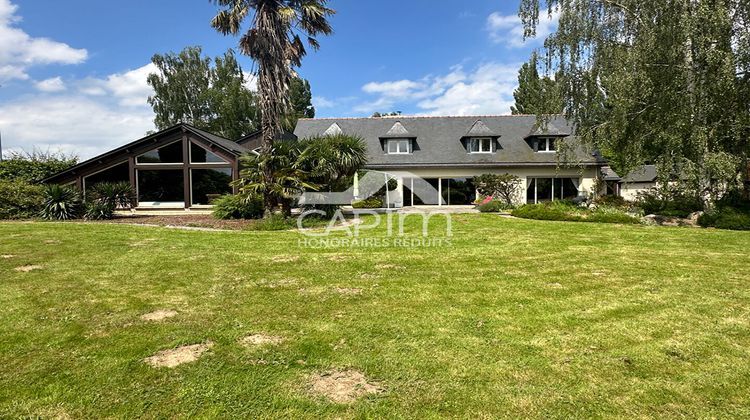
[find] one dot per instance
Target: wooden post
(186, 169)
(133, 181)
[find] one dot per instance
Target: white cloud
(322, 102)
(97, 115)
(19, 51)
(486, 90)
(73, 124)
(508, 29)
(54, 84)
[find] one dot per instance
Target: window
(209, 184)
(201, 155)
(546, 144)
(540, 190)
(117, 173)
(481, 145)
(171, 153)
(399, 146)
(161, 186)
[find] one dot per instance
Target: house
(180, 167)
(434, 159)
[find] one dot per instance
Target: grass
(516, 318)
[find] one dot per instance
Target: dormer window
(398, 146)
(546, 144)
(480, 145)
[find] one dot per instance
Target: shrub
(674, 205)
(238, 207)
(611, 201)
(569, 212)
(368, 203)
(612, 215)
(503, 187)
(20, 199)
(61, 203)
(493, 206)
(545, 212)
(115, 194)
(99, 210)
(34, 166)
(726, 218)
(277, 221)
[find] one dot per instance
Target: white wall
(587, 176)
(630, 191)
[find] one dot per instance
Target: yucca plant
(61, 203)
(118, 195)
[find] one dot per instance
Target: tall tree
(300, 101)
(536, 95)
(210, 95)
(662, 81)
(273, 41)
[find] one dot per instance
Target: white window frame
(397, 150)
(481, 142)
(546, 141)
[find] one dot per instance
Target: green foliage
(238, 207)
(274, 41)
(672, 204)
(611, 201)
(213, 96)
(664, 82)
(536, 95)
(114, 194)
(61, 203)
(104, 198)
(20, 199)
(300, 102)
(369, 203)
(494, 206)
(726, 218)
(318, 164)
(276, 222)
(34, 166)
(504, 187)
(98, 210)
(569, 212)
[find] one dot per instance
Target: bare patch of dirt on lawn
(177, 356)
(159, 315)
(342, 387)
(52, 242)
(7, 257)
(261, 340)
(27, 268)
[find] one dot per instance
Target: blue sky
(72, 73)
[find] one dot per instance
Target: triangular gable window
(201, 155)
(334, 130)
(171, 153)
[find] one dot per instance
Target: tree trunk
(273, 89)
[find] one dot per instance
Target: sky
(73, 73)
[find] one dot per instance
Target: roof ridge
(396, 117)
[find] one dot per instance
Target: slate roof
(397, 131)
(480, 129)
(439, 144)
(645, 173)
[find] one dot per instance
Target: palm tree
(273, 41)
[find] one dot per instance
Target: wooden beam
(186, 170)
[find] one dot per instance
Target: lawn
(515, 318)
